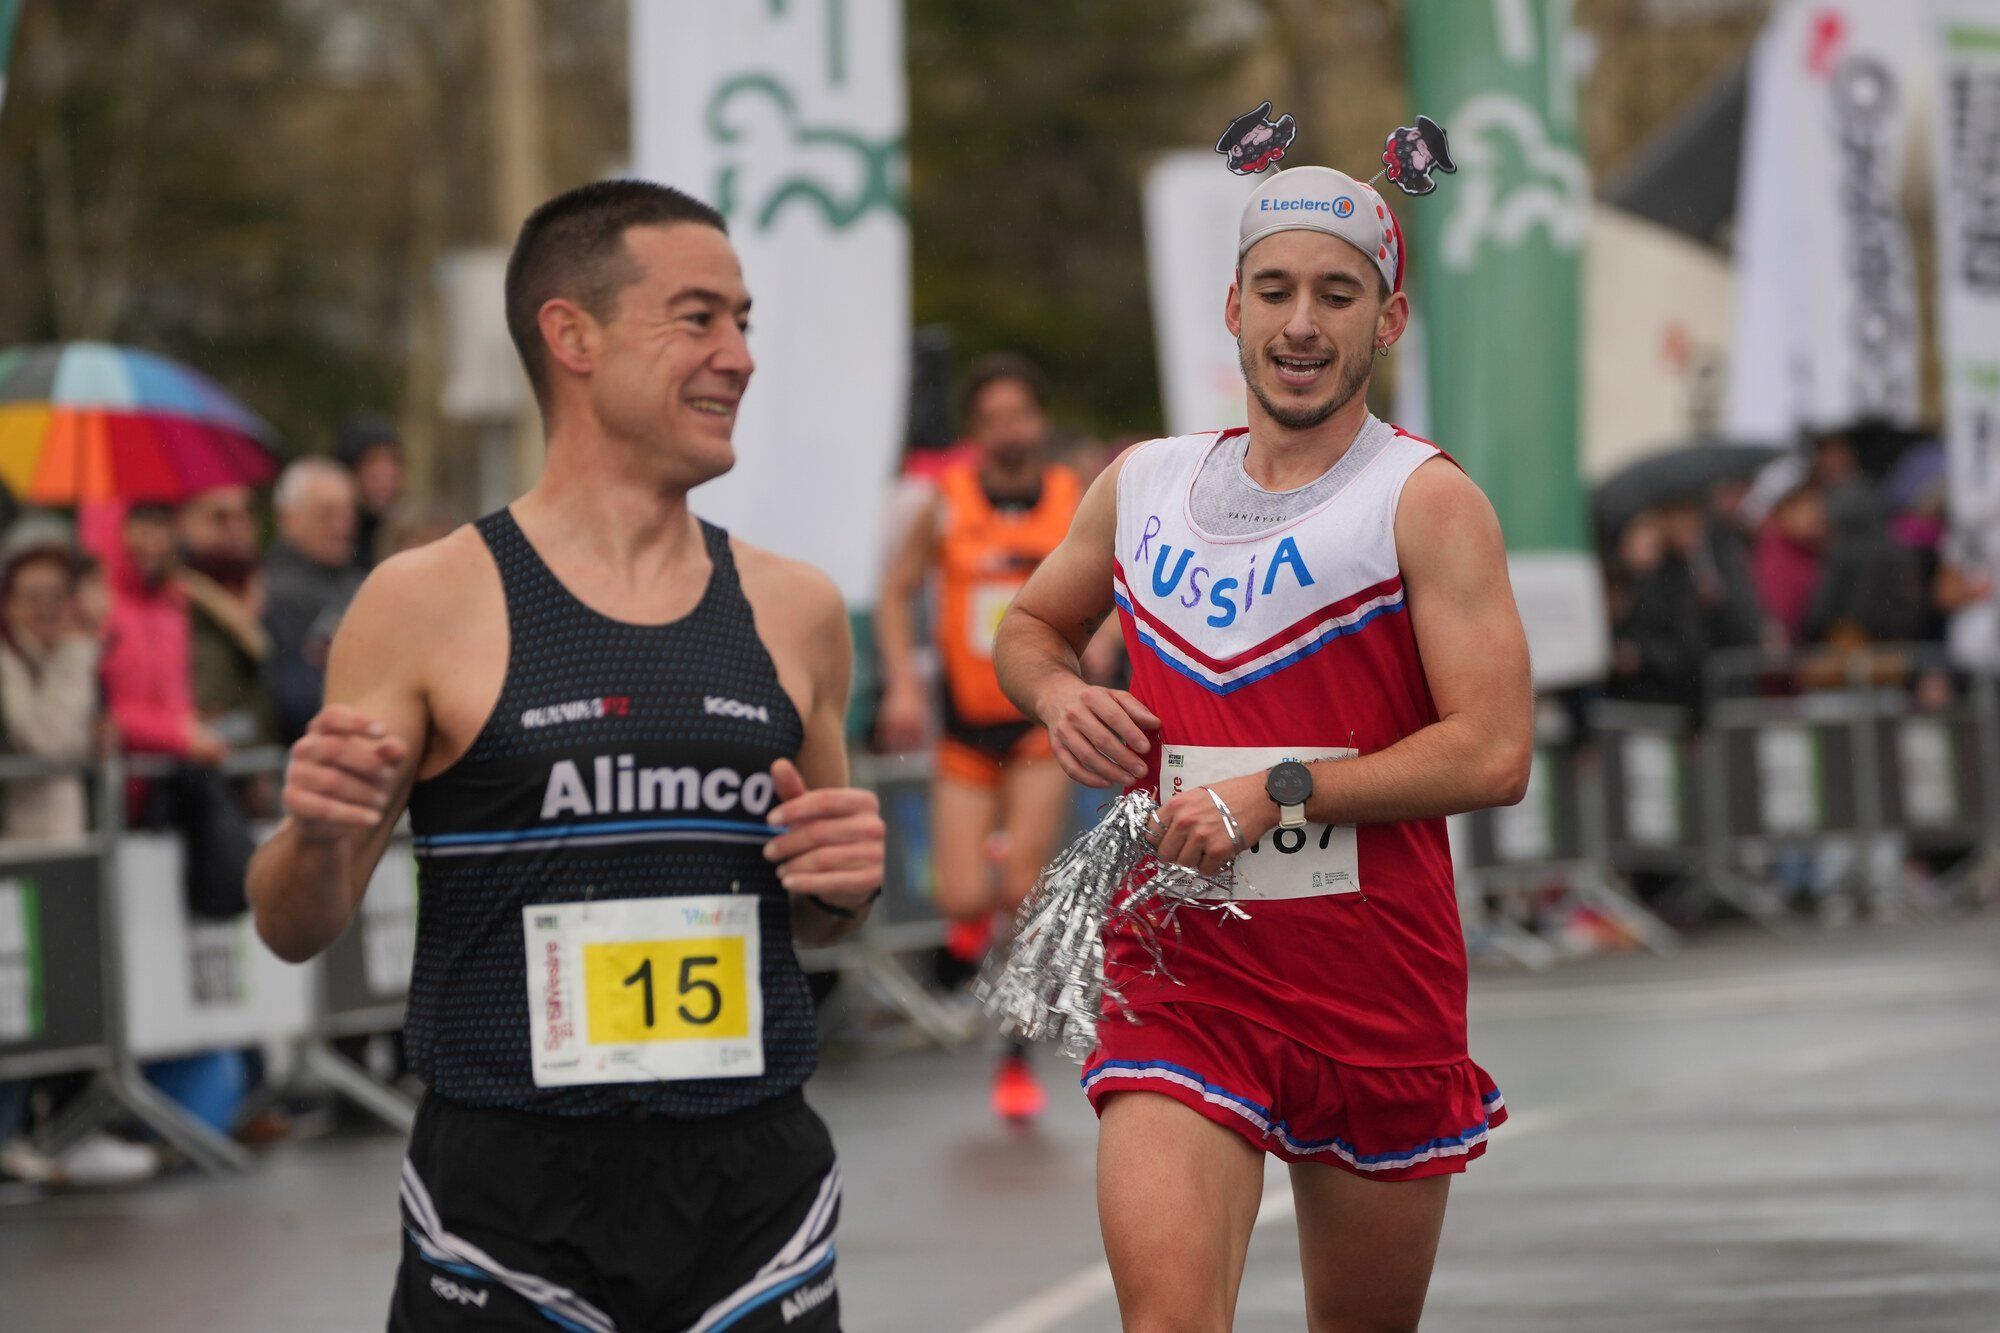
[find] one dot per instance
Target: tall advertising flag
(789, 117)
(1966, 123)
(1826, 316)
(1496, 274)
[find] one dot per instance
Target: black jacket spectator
(1872, 585)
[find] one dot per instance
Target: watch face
(1289, 783)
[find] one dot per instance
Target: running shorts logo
(806, 1299)
(717, 706)
(452, 1291)
(577, 710)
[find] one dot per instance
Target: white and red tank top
(1258, 630)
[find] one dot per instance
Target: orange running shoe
(1017, 1093)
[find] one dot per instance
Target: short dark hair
(994, 367)
(574, 246)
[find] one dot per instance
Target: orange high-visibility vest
(985, 555)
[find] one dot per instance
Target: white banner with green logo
(1496, 276)
(789, 116)
(1966, 121)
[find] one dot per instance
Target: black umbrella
(1681, 473)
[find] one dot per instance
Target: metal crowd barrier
(102, 969)
(1811, 754)
(1554, 844)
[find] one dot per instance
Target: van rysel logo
(452, 1291)
(577, 710)
(618, 786)
(717, 706)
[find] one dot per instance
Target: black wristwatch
(1290, 785)
(844, 913)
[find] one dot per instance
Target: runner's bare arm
(1475, 658)
(831, 840)
(1099, 734)
(903, 714)
(350, 774)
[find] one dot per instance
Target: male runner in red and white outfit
(1328, 590)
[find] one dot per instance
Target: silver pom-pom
(1050, 985)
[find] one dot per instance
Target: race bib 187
(1306, 862)
(644, 990)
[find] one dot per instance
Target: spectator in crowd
(1835, 463)
(1659, 626)
(229, 647)
(370, 447)
(1723, 592)
(146, 673)
(1788, 557)
(1871, 589)
(309, 578)
(48, 680)
(1731, 542)
(48, 700)
(148, 682)
(1921, 529)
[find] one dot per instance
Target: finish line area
(1749, 1133)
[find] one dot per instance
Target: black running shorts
(521, 1221)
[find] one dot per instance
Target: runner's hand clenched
(341, 774)
(831, 840)
(1193, 833)
(1099, 735)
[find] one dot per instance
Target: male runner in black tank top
(619, 736)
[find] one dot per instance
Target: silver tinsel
(1050, 985)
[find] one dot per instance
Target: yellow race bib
(641, 990)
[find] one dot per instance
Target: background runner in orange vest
(997, 513)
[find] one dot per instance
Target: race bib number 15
(1306, 862)
(643, 990)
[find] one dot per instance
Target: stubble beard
(1350, 374)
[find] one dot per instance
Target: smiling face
(666, 368)
(1307, 312)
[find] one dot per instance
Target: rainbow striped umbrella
(90, 421)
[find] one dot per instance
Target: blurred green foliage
(259, 189)
(1031, 128)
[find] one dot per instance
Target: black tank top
(582, 693)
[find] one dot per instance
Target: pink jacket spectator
(1787, 576)
(146, 669)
